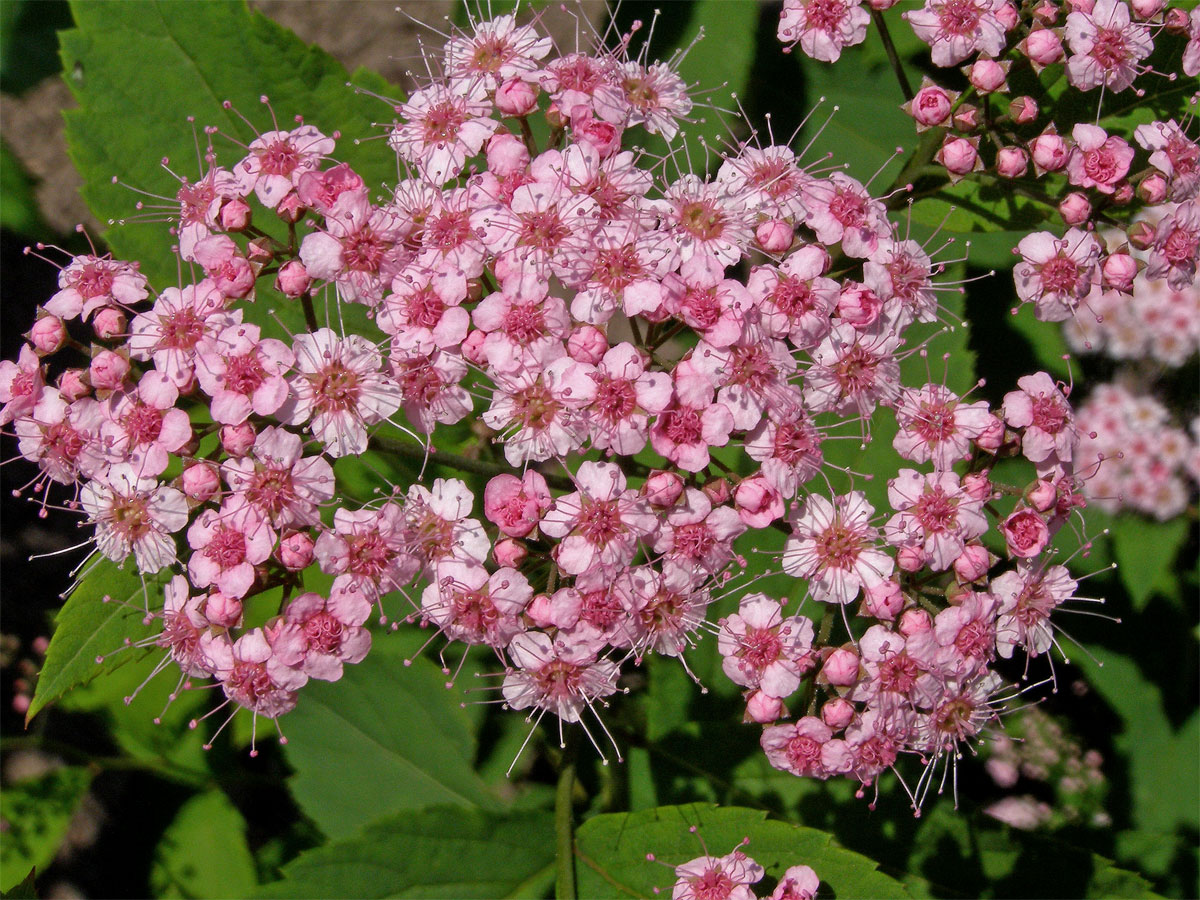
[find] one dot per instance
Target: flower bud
(1075, 208)
(993, 436)
(295, 551)
(587, 344)
(73, 384)
(841, 667)
(1177, 20)
(472, 347)
(1026, 533)
(914, 621)
(858, 305)
(884, 600)
(1141, 235)
(966, 118)
(555, 117)
(717, 490)
(604, 137)
(774, 236)
(200, 481)
(763, 709)
(1119, 271)
(977, 485)
(758, 502)
(1012, 162)
(1049, 152)
(662, 489)
(1153, 189)
(1043, 47)
(1008, 16)
(222, 611)
(837, 713)
(237, 439)
(911, 559)
(510, 552)
(109, 324)
(1083, 6)
(291, 208)
(1041, 495)
(48, 334)
(973, 563)
(1046, 12)
(108, 370)
(930, 106)
(293, 280)
(235, 215)
(1023, 109)
(1122, 193)
(959, 156)
(516, 98)
(987, 75)
(1147, 9)
(259, 251)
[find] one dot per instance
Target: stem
(527, 136)
(892, 56)
(310, 314)
(441, 457)
(564, 825)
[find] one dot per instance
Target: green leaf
(37, 812)
(200, 54)
(440, 852)
(26, 889)
(386, 737)
(612, 848)
(87, 628)
(203, 852)
(27, 45)
(18, 205)
(1145, 551)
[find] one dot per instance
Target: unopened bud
(662, 489)
(973, 563)
(587, 344)
(516, 98)
(841, 667)
(291, 208)
(223, 611)
(884, 600)
(237, 439)
(1075, 208)
(1043, 47)
(1141, 235)
(911, 559)
(200, 481)
(510, 552)
(109, 324)
(236, 215)
(858, 305)
(295, 551)
(837, 713)
(930, 106)
(1049, 151)
(1023, 109)
(73, 384)
(293, 280)
(774, 236)
(48, 334)
(1153, 189)
(914, 621)
(959, 156)
(108, 371)
(764, 709)
(987, 75)
(1012, 162)
(1119, 271)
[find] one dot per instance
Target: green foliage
(1145, 551)
(203, 852)
(387, 737)
(26, 889)
(88, 627)
(27, 42)
(38, 811)
(18, 205)
(440, 852)
(611, 851)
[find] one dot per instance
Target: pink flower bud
(235, 215)
(200, 481)
(108, 370)
(837, 713)
(1041, 495)
(662, 489)
(1119, 271)
(1083, 6)
(48, 334)
(510, 552)
(966, 118)
(881, 5)
(1153, 189)
(930, 106)
(555, 117)
(222, 611)
(1075, 208)
(109, 324)
(1012, 162)
(237, 439)
(516, 98)
(1023, 109)
(293, 280)
(1147, 9)
(1177, 20)
(914, 621)
(758, 502)
(1141, 235)
(717, 491)
(987, 75)
(774, 236)
(515, 505)
(587, 344)
(1043, 47)
(993, 436)
(259, 251)
(73, 384)
(291, 208)
(977, 486)
(1008, 16)
(884, 600)
(1122, 193)
(911, 559)
(973, 563)
(858, 305)
(295, 551)
(959, 156)
(763, 709)
(1026, 533)
(472, 348)
(841, 668)
(604, 137)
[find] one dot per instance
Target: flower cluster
(656, 357)
(730, 877)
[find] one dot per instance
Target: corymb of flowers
(635, 375)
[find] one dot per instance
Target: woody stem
(564, 824)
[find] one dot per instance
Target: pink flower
(600, 524)
(1176, 248)
(698, 535)
(712, 878)
(833, 545)
(956, 29)
(684, 433)
(540, 410)
(90, 283)
(1027, 596)
(356, 248)
(852, 372)
(797, 883)
(21, 384)
(329, 642)
(227, 545)
(762, 650)
(135, 514)
(1044, 413)
(704, 219)
(823, 27)
(1056, 273)
(496, 51)
(841, 209)
(1026, 533)
(252, 674)
(444, 126)
(179, 324)
(936, 425)
(1098, 160)
(797, 747)
(143, 427)
(552, 676)
(470, 606)
(625, 394)
(1106, 46)
(934, 513)
(653, 96)
(369, 551)
(515, 505)
(790, 452)
(243, 373)
(794, 300)
(277, 159)
(279, 481)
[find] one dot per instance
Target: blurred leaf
(18, 205)
(26, 889)
(1146, 552)
(387, 737)
(441, 852)
(87, 627)
(612, 848)
(28, 49)
(203, 852)
(37, 812)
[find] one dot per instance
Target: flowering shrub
(603, 420)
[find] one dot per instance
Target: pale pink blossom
(135, 514)
(834, 546)
(823, 27)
